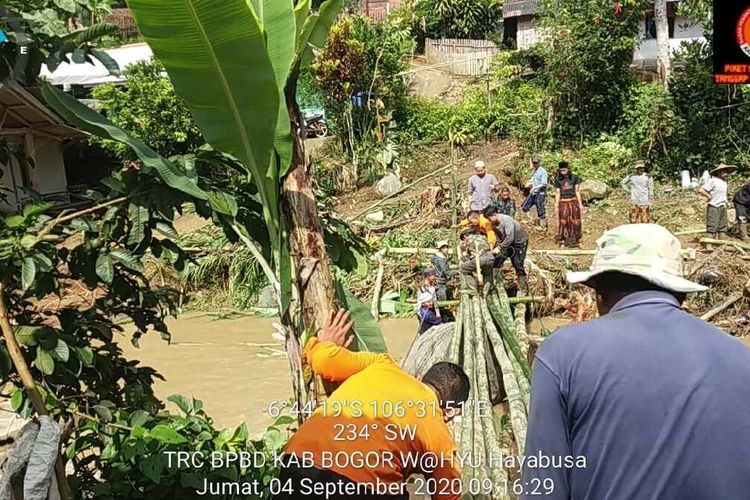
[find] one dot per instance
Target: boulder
(267, 298)
(688, 211)
(388, 185)
(594, 190)
(378, 216)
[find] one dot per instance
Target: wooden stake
(27, 379)
(375, 308)
(735, 297)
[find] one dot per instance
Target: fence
(462, 57)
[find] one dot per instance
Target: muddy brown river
(234, 366)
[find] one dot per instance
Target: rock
(594, 190)
(388, 185)
(688, 211)
(267, 298)
(378, 216)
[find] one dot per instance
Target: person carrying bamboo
(714, 190)
(654, 400)
(478, 224)
(513, 242)
(477, 269)
(374, 395)
(640, 185)
(742, 208)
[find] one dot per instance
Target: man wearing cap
(655, 400)
(714, 190)
(537, 192)
(481, 187)
(443, 271)
(641, 188)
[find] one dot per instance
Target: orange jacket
(375, 400)
(485, 227)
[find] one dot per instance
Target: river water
(234, 366)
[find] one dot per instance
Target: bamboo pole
(27, 379)
(687, 232)
(375, 309)
(511, 300)
(735, 297)
(713, 241)
(405, 188)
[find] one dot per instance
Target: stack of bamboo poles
(492, 347)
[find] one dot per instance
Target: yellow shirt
(378, 411)
(485, 227)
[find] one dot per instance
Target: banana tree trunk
(313, 268)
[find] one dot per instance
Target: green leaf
(26, 335)
(367, 334)
(139, 217)
(127, 259)
(152, 467)
(79, 55)
(167, 230)
(240, 434)
(167, 435)
(28, 273)
(105, 269)
(44, 361)
(36, 209)
(107, 61)
(85, 356)
(16, 401)
(94, 123)
(223, 203)
(284, 420)
(105, 414)
(219, 65)
(182, 402)
(315, 32)
(14, 221)
(138, 418)
(301, 10)
(66, 5)
(61, 351)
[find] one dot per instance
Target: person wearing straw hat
(641, 188)
(481, 187)
(714, 190)
(654, 400)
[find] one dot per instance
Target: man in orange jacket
(480, 225)
(378, 428)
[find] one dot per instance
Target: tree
(662, 42)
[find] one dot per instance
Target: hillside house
(378, 10)
(521, 30)
(28, 126)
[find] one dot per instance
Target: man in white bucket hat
(648, 401)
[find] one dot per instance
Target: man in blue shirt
(537, 192)
(655, 400)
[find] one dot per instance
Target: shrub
(147, 107)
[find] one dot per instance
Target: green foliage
(53, 31)
(477, 19)
(605, 159)
(587, 52)
(132, 454)
(147, 107)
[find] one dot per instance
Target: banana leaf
(367, 334)
(216, 56)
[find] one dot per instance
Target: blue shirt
(539, 180)
(657, 401)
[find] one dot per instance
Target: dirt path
(233, 366)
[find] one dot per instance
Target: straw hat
(649, 251)
(723, 167)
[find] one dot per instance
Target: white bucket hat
(479, 164)
(443, 243)
(649, 251)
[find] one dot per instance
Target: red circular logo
(743, 32)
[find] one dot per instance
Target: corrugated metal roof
(521, 8)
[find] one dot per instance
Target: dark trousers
(517, 255)
(742, 212)
(292, 475)
(538, 200)
(716, 219)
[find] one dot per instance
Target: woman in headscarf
(426, 312)
(568, 206)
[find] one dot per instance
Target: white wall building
(28, 125)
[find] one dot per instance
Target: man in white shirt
(481, 187)
(714, 190)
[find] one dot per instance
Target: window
(510, 32)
